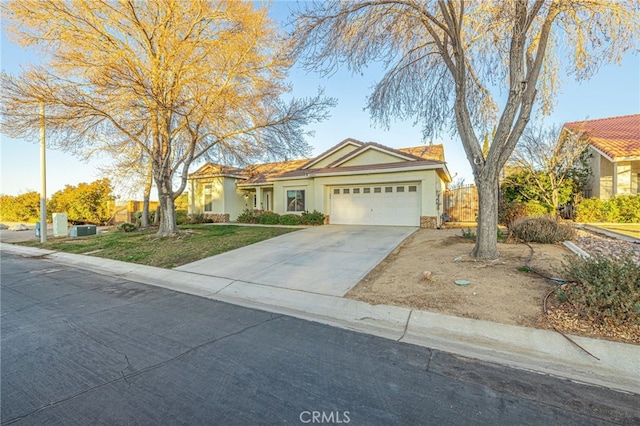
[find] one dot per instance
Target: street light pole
(43, 178)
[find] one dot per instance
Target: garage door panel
(375, 205)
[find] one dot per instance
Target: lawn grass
(194, 242)
(631, 229)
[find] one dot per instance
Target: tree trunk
(487, 232)
(167, 222)
(144, 220)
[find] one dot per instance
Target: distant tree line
(85, 203)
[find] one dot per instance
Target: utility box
(60, 225)
(37, 229)
(83, 230)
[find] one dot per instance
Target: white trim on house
(338, 172)
(332, 151)
(364, 149)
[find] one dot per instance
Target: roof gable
(261, 173)
(372, 154)
(329, 156)
(212, 170)
(616, 137)
(427, 152)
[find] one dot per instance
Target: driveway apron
(325, 259)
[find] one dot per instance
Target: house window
(400, 189)
(377, 190)
(413, 188)
(366, 190)
(255, 201)
(295, 200)
(356, 190)
(388, 189)
(208, 198)
(336, 190)
(345, 191)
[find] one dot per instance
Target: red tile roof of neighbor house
(618, 137)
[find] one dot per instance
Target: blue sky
(613, 91)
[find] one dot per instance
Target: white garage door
(376, 205)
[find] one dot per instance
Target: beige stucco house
(614, 145)
(352, 183)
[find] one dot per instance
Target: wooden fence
(123, 212)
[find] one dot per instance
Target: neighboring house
(352, 183)
(615, 154)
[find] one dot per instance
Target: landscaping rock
(607, 247)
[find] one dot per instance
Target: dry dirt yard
(499, 291)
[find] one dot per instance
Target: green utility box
(83, 230)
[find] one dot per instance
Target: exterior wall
(336, 155)
(280, 194)
(593, 184)
(429, 222)
(234, 202)
(226, 199)
(623, 177)
(606, 182)
(609, 179)
(196, 195)
(371, 157)
(317, 195)
(635, 177)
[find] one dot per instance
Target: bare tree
(447, 60)
(551, 159)
(167, 79)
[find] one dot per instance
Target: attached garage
(384, 204)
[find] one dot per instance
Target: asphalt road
(82, 348)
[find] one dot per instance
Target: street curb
(531, 349)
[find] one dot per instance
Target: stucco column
(259, 198)
(622, 177)
(614, 181)
(191, 198)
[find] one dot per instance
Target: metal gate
(461, 204)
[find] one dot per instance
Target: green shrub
(313, 218)
(196, 218)
(269, 218)
(21, 208)
(126, 227)
(468, 234)
(605, 289)
(182, 217)
(621, 209)
(546, 230)
(510, 211)
(247, 216)
(289, 219)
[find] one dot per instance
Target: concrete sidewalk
(532, 349)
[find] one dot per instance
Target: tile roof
(365, 167)
(618, 137)
(261, 173)
(257, 174)
(427, 152)
(211, 169)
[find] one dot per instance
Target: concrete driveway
(325, 259)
